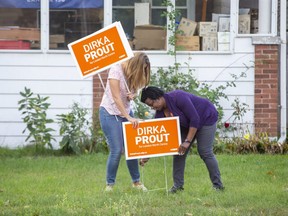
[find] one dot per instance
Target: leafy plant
(34, 111)
(141, 110)
(73, 128)
(98, 140)
(258, 143)
(172, 16)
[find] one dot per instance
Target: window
(72, 20)
(144, 24)
(69, 20)
(19, 29)
(256, 17)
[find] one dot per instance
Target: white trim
(283, 84)
(44, 26)
(107, 12)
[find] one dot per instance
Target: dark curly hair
(151, 92)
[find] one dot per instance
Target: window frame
(273, 19)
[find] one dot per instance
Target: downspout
(283, 90)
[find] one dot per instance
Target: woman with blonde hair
(123, 82)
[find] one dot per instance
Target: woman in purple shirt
(198, 118)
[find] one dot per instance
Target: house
(34, 54)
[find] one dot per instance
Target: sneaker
(139, 186)
(176, 189)
(109, 188)
(219, 188)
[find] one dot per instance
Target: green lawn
(51, 185)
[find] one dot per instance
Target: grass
(59, 185)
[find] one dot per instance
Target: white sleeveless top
(116, 72)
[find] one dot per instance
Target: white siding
(56, 76)
(52, 75)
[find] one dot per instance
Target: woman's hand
(134, 121)
(131, 96)
(183, 147)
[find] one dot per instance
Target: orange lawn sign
(100, 50)
(153, 138)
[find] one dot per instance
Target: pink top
(116, 72)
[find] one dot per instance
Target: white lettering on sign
(98, 48)
(151, 134)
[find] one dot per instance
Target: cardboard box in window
(149, 37)
(142, 14)
(223, 21)
(206, 29)
(223, 37)
(17, 33)
(223, 41)
(244, 24)
(254, 27)
(224, 47)
(209, 43)
(188, 43)
(56, 41)
(187, 26)
(57, 38)
(224, 24)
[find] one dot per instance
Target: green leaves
(78, 133)
(34, 115)
(73, 127)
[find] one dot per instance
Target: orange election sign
(155, 137)
(100, 50)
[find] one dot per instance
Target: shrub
(73, 128)
(34, 111)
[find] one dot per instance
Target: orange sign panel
(100, 50)
(155, 137)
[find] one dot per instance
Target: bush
(73, 128)
(34, 112)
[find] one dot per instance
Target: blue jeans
(205, 138)
(112, 128)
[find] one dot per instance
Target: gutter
(283, 78)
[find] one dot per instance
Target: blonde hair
(137, 71)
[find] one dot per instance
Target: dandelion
(247, 136)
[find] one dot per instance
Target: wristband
(188, 141)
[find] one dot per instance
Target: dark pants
(205, 138)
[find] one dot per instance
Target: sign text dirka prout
(98, 48)
(151, 134)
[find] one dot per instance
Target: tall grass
(54, 185)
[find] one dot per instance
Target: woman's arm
(115, 91)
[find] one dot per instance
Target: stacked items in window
(14, 37)
(248, 21)
(146, 35)
(186, 40)
(206, 36)
(208, 33)
(254, 28)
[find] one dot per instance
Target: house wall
(52, 75)
(55, 75)
(266, 89)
